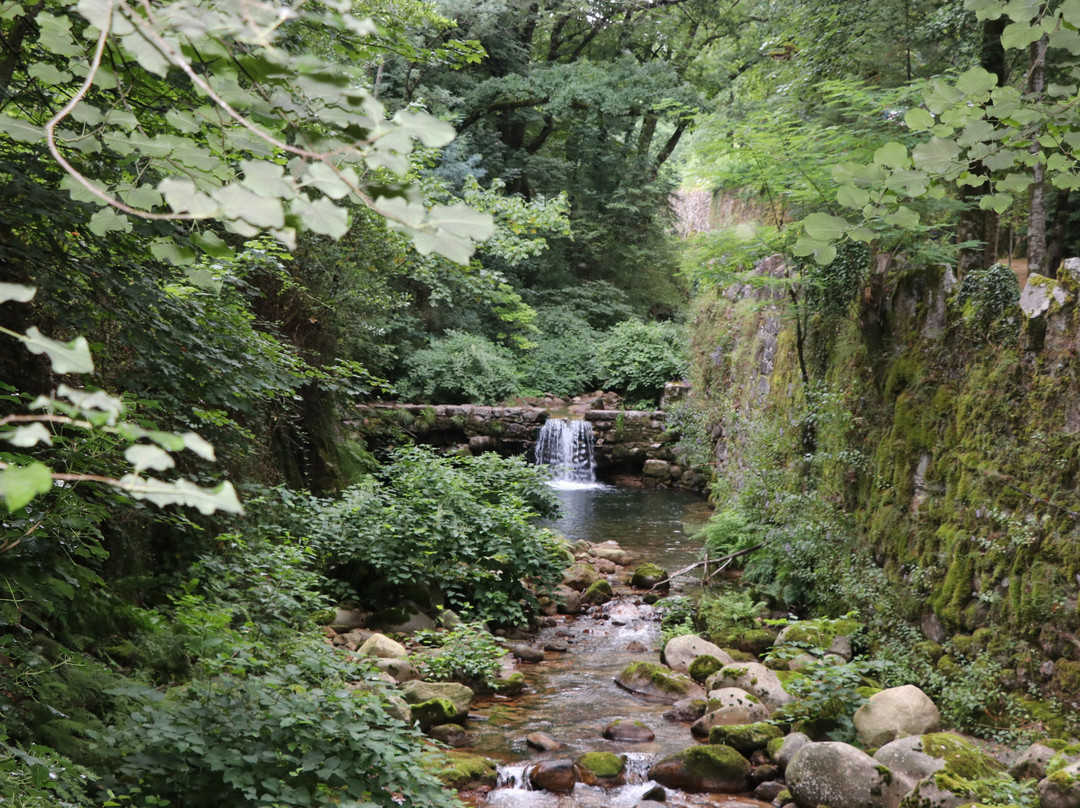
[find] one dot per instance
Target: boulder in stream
(453, 735)
(896, 713)
(657, 682)
(957, 781)
(543, 742)
(559, 775)
(710, 768)
(459, 695)
(602, 769)
(840, 776)
(526, 653)
(754, 678)
(680, 652)
(1061, 789)
(745, 738)
(433, 712)
(628, 731)
(685, 710)
(379, 645)
(580, 576)
(649, 576)
(463, 771)
(598, 593)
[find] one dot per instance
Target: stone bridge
(632, 446)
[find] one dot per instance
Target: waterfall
(567, 446)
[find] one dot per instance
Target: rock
(636, 647)
(558, 775)
(460, 695)
(400, 670)
(659, 469)
(615, 554)
(649, 576)
(768, 790)
(754, 678)
(580, 576)
(841, 647)
(599, 592)
(556, 647)
(432, 712)
(401, 620)
(628, 732)
(602, 769)
(657, 682)
(453, 735)
(1031, 765)
(686, 710)
(347, 618)
(655, 794)
(527, 653)
(680, 652)
(737, 697)
(745, 738)
(379, 645)
(840, 776)
(568, 600)
(703, 769)
(543, 742)
(932, 628)
(703, 667)
(463, 771)
(724, 716)
(896, 713)
(907, 761)
(511, 685)
(448, 618)
(1061, 789)
(786, 751)
(764, 772)
(956, 782)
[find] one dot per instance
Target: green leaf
(823, 253)
(851, 197)
(430, 131)
(165, 249)
(327, 180)
(29, 435)
(20, 484)
(976, 81)
(147, 456)
(1018, 35)
(941, 96)
(462, 221)
(824, 227)
(183, 197)
(20, 130)
(321, 216)
(936, 157)
(212, 244)
(49, 74)
(238, 202)
(108, 219)
(17, 292)
(198, 445)
(70, 357)
(985, 9)
(892, 155)
(1015, 183)
(918, 119)
(999, 203)
(182, 492)
(904, 218)
(267, 178)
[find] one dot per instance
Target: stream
(572, 695)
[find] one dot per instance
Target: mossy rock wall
(955, 453)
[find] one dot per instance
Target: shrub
(468, 654)
(727, 532)
(986, 298)
(563, 363)
(637, 358)
(458, 369)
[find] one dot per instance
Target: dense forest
(226, 224)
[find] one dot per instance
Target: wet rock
(1031, 765)
(460, 695)
(724, 716)
(556, 647)
(433, 712)
(791, 744)
(745, 738)
(686, 710)
(657, 682)
(649, 576)
(543, 742)
(896, 713)
(511, 685)
(464, 771)
(400, 670)
(602, 769)
(655, 794)
(703, 769)
(453, 735)
(765, 773)
(768, 790)
(635, 647)
(553, 775)
(649, 804)
(379, 645)
(1061, 789)
(680, 652)
(527, 653)
(580, 576)
(628, 732)
(840, 776)
(612, 553)
(568, 600)
(598, 593)
(754, 678)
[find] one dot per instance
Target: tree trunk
(1037, 214)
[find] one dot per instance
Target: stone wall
(632, 446)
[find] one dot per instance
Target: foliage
(726, 532)
(732, 609)
(460, 368)
(563, 362)
(40, 778)
(828, 692)
(467, 653)
(459, 528)
(676, 617)
(289, 731)
(987, 299)
(638, 359)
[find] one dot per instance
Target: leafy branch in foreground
(23, 477)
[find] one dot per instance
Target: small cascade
(567, 446)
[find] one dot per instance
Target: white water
(567, 447)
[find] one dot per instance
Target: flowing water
(572, 695)
(566, 446)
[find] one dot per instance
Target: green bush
(467, 653)
(987, 299)
(563, 363)
(727, 532)
(461, 529)
(638, 359)
(460, 368)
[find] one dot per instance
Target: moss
(787, 677)
(740, 656)
(745, 738)
(704, 666)
(599, 591)
(646, 576)
(963, 644)
(866, 691)
(705, 761)
(930, 649)
(1067, 676)
(512, 685)
(756, 640)
(962, 759)
(783, 798)
(1064, 779)
(662, 678)
(820, 633)
(460, 770)
(433, 712)
(602, 764)
(773, 746)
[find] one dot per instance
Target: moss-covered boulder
(745, 738)
(649, 576)
(602, 769)
(657, 682)
(511, 685)
(680, 652)
(580, 576)
(418, 692)
(1061, 789)
(711, 768)
(753, 677)
(703, 667)
(432, 712)
(965, 774)
(840, 776)
(627, 731)
(599, 592)
(463, 771)
(820, 633)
